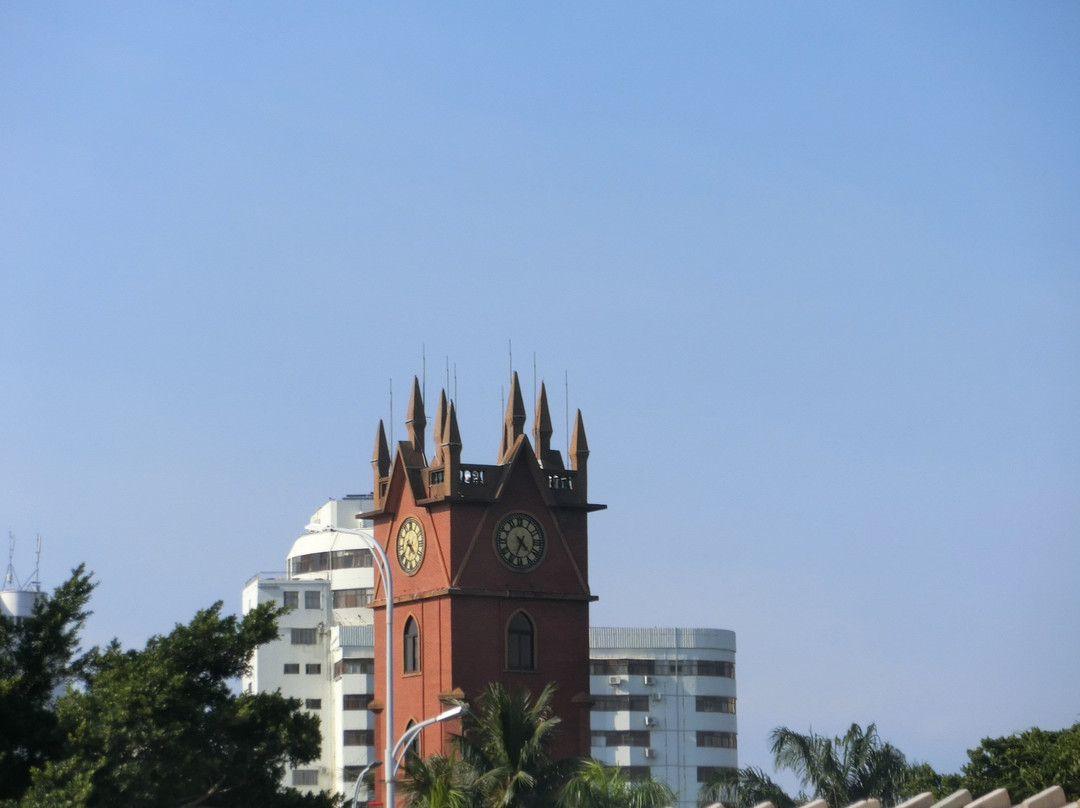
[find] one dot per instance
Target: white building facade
(664, 702)
(664, 698)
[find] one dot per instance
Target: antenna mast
(35, 582)
(566, 409)
(11, 581)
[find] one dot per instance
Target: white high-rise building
(664, 698)
(664, 702)
(325, 653)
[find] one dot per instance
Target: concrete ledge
(998, 798)
(1053, 797)
(870, 803)
(924, 800)
(958, 799)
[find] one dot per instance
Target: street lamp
(360, 779)
(383, 565)
(416, 729)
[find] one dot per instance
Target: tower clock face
(410, 545)
(519, 542)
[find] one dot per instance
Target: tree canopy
(1024, 763)
(154, 727)
(596, 785)
(39, 654)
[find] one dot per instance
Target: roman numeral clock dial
(519, 542)
(410, 545)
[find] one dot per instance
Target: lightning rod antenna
(35, 582)
(10, 581)
(391, 410)
(566, 409)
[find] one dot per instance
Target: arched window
(414, 746)
(412, 646)
(520, 643)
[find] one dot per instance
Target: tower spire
(579, 453)
(416, 421)
(438, 436)
(380, 463)
(542, 431)
(514, 423)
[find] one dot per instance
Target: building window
(350, 559)
(661, 667)
(313, 599)
(305, 777)
(352, 598)
(714, 704)
(338, 560)
(414, 746)
(721, 740)
(620, 703)
(313, 704)
(705, 772)
(313, 667)
(292, 600)
(355, 701)
(412, 646)
(304, 636)
(358, 737)
(292, 667)
(312, 562)
(627, 737)
(353, 665)
(520, 644)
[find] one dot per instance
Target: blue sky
(809, 270)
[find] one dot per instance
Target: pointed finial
(416, 421)
(542, 428)
(514, 423)
(440, 429)
(579, 445)
(452, 433)
(380, 458)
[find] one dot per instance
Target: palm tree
(596, 785)
(506, 739)
(742, 788)
(439, 781)
(842, 770)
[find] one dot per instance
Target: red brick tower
(490, 570)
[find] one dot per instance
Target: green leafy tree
(921, 777)
(596, 785)
(854, 766)
(162, 727)
(1026, 763)
(38, 655)
(742, 788)
(506, 739)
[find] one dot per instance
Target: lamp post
(416, 729)
(360, 779)
(383, 565)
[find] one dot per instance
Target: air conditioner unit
(614, 680)
(649, 753)
(648, 680)
(650, 721)
(656, 696)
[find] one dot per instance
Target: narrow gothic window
(520, 643)
(414, 745)
(412, 646)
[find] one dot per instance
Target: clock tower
(490, 569)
